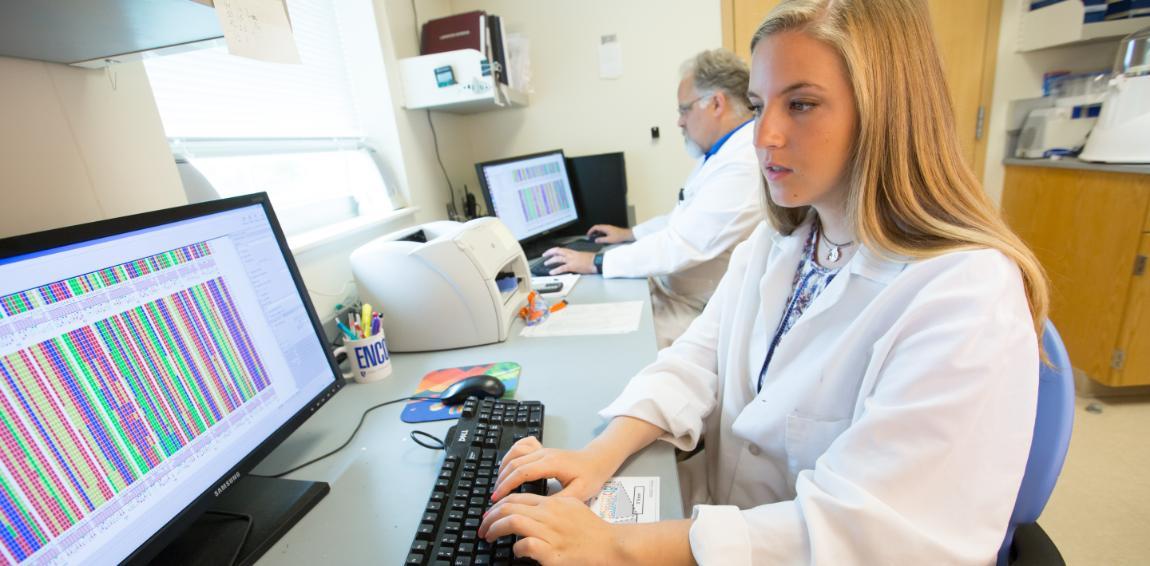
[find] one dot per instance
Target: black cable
(244, 540)
(353, 433)
(415, 20)
(439, 158)
(437, 443)
(434, 136)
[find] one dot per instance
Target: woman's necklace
(834, 251)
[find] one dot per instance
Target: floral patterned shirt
(810, 280)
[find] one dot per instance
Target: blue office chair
(1025, 541)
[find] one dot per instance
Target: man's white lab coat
(894, 422)
(686, 252)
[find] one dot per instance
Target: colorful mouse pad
(435, 383)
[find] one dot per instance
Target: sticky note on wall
(258, 29)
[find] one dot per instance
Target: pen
(343, 328)
(365, 320)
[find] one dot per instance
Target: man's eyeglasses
(684, 108)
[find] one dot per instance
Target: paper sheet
(628, 500)
(595, 318)
(610, 57)
(568, 279)
(258, 29)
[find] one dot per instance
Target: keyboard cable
(353, 433)
(432, 442)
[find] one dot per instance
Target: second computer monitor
(531, 194)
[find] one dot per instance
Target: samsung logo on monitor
(228, 482)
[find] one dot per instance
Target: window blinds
(208, 93)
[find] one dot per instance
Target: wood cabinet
(1091, 231)
(967, 35)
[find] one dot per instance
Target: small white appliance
(1060, 130)
(1122, 134)
(444, 284)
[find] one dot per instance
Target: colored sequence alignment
(85, 414)
(25, 301)
(541, 200)
(536, 171)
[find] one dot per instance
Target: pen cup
(368, 357)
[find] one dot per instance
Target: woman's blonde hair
(911, 193)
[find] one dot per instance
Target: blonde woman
(866, 380)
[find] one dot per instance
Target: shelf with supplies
(1063, 24)
(457, 81)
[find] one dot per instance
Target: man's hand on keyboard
(581, 473)
(563, 260)
(608, 234)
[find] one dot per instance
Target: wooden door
(740, 20)
(1133, 365)
(967, 35)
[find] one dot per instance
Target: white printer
(444, 284)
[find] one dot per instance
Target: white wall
(424, 183)
(571, 108)
(79, 145)
(1019, 75)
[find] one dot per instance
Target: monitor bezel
(479, 167)
(50, 239)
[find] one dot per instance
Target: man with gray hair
(686, 252)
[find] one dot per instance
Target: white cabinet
(455, 81)
(1062, 24)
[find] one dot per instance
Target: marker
(365, 317)
(376, 322)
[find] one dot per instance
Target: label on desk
(628, 500)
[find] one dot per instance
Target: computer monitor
(600, 187)
(146, 364)
(531, 194)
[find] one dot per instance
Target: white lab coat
(894, 421)
(686, 252)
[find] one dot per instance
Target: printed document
(595, 318)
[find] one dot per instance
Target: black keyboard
(583, 245)
(448, 532)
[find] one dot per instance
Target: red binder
(460, 31)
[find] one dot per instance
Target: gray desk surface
(1072, 163)
(380, 482)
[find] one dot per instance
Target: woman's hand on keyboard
(554, 530)
(582, 473)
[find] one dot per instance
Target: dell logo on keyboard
(462, 435)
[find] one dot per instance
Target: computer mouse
(595, 234)
(480, 386)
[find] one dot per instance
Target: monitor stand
(275, 504)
